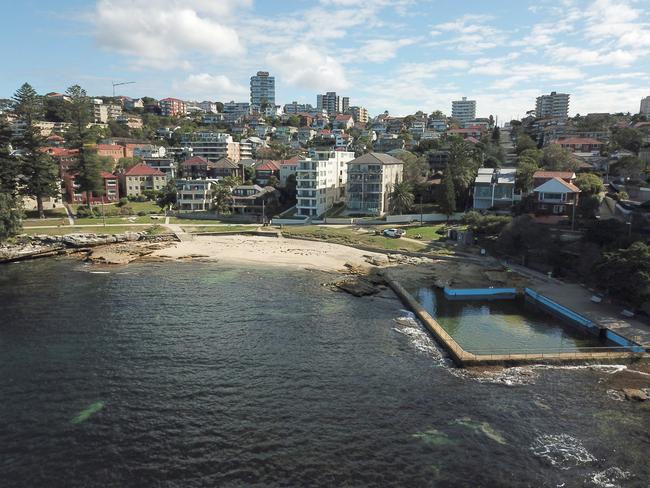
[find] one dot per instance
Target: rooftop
(376, 158)
(141, 169)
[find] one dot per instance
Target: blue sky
(395, 55)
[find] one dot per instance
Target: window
(558, 209)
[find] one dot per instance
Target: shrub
(123, 201)
(126, 210)
(142, 213)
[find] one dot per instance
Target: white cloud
(378, 50)
(166, 33)
(306, 67)
(470, 34)
(205, 86)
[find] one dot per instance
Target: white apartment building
(371, 179)
(295, 108)
(463, 110)
(103, 112)
(321, 180)
(645, 106)
(213, 146)
(194, 195)
(552, 105)
(262, 90)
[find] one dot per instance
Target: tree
(448, 195)
(39, 172)
(629, 167)
(627, 273)
(485, 225)
(79, 115)
(401, 198)
(557, 158)
(89, 173)
(627, 138)
(464, 167)
(496, 135)
(27, 104)
(415, 169)
(522, 235)
(167, 197)
(589, 184)
(524, 141)
(128, 163)
(10, 216)
(524, 178)
(293, 121)
(221, 198)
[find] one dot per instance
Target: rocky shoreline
(93, 245)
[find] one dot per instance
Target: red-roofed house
(265, 171)
(289, 167)
(111, 150)
(580, 144)
(555, 193)
(141, 177)
(475, 132)
(111, 190)
(67, 158)
(343, 121)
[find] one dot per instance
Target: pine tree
(38, 170)
(448, 197)
(10, 212)
(27, 103)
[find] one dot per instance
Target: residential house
(226, 167)
(494, 188)
(265, 171)
(149, 151)
(136, 180)
(66, 158)
(388, 142)
(166, 165)
(555, 193)
(371, 178)
(474, 131)
(254, 199)
(343, 121)
(131, 121)
(111, 193)
(194, 195)
(321, 180)
(288, 167)
(580, 144)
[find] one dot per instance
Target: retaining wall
(476, 293)
(432, 217)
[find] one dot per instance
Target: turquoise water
(504, 326)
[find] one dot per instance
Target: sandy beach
(270, 251)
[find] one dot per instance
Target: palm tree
(401, 198)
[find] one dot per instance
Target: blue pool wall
(562, 311)
(480, 293)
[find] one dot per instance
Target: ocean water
(199, 374)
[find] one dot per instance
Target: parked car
(396, 233)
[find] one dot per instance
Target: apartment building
(109, 194)
(332, 103)
(360, 114)
(213, 146)
(645, 106)
(235, 111)
(103, 112)
(262, 91)
(172, 107)
(321, 180)
(463, 110)
(194, 195)
(552, 105)
(371, 178)
(294, 108)
(141, 177)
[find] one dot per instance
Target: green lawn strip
(176, 220)
(350, 236)
(122, 219)
(58, 212)
(44, 222)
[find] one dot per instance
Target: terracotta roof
(343, 117)
(268, 166)
(473, 140)
(142, 169)
(60, 152)
(578, 141)
(224, 163)
(109, 147)
(55, 137)
(568, 175)
(195, 161)
(569, 186)
(106, 174)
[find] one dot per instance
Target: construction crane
(118, 84)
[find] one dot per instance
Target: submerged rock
(635, 395)
(358, 287)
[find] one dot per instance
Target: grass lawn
(84, 230)
(350, 236)
(149, 207)
(58, 212)
(176, 220)
(44, 222)
(124, 219)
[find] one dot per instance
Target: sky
(395, 55)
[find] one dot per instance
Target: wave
(561, 450)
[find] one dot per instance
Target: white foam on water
(99, 272)
(616, 395)
(610, 478)
(561, 450)
(409, 326)
(515, 376)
